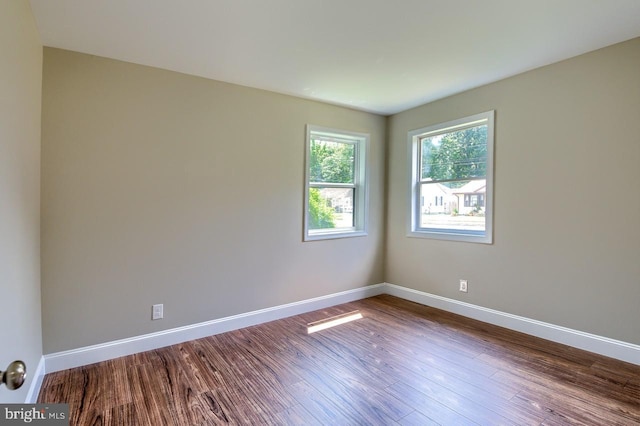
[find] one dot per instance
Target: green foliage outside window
(320, 214)
(330, 162)
(457, 155)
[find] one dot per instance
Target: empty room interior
(321, 212)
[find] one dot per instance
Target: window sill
(334, 235)
(452, 235)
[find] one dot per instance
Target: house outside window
(452, 165)
(335, 184)
(473, 200)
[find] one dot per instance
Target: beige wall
(567, 212)
(164, 188)
(160, 187)
(20, 94)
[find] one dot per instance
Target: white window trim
(413, 230)
(361, 200)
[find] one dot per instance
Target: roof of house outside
(473, 187)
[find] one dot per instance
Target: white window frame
(360, 185)
(413, 220)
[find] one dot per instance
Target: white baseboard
(36, 383)
(91, 354)
(590, 342)
(105, 351)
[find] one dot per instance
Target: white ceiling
(381, 56)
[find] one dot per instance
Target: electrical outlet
(157, 312)
(463, 286)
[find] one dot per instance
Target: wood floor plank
(150, 397)
(243, 401)
(324, 410)
(124, 414)
(561, 401)
(426, 333)
(246, 368)
(415, 418)
(461, 392)
(427, 406)
(181, 386)
(427, 365)
(402, 363)
(401, 335)
(348, 388)
(633, 391)
(297, 416)
(609, 397)
(458, 403)
(220, 409)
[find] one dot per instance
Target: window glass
(336, 184)
(452, 180)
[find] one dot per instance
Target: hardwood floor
(403, 363)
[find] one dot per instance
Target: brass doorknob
(15, 375)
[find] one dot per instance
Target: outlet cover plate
(157, 312)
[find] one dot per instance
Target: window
(474, 200)
(452, 163)
(335, 184)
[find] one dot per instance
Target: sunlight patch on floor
(312, 327)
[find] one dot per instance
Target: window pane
(462, 206)
(331, 162)
(331, 208)
(457, 155)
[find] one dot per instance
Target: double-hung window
(452, 180)
(335, 184)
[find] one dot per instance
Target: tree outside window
(335, 184)
(453, 162)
